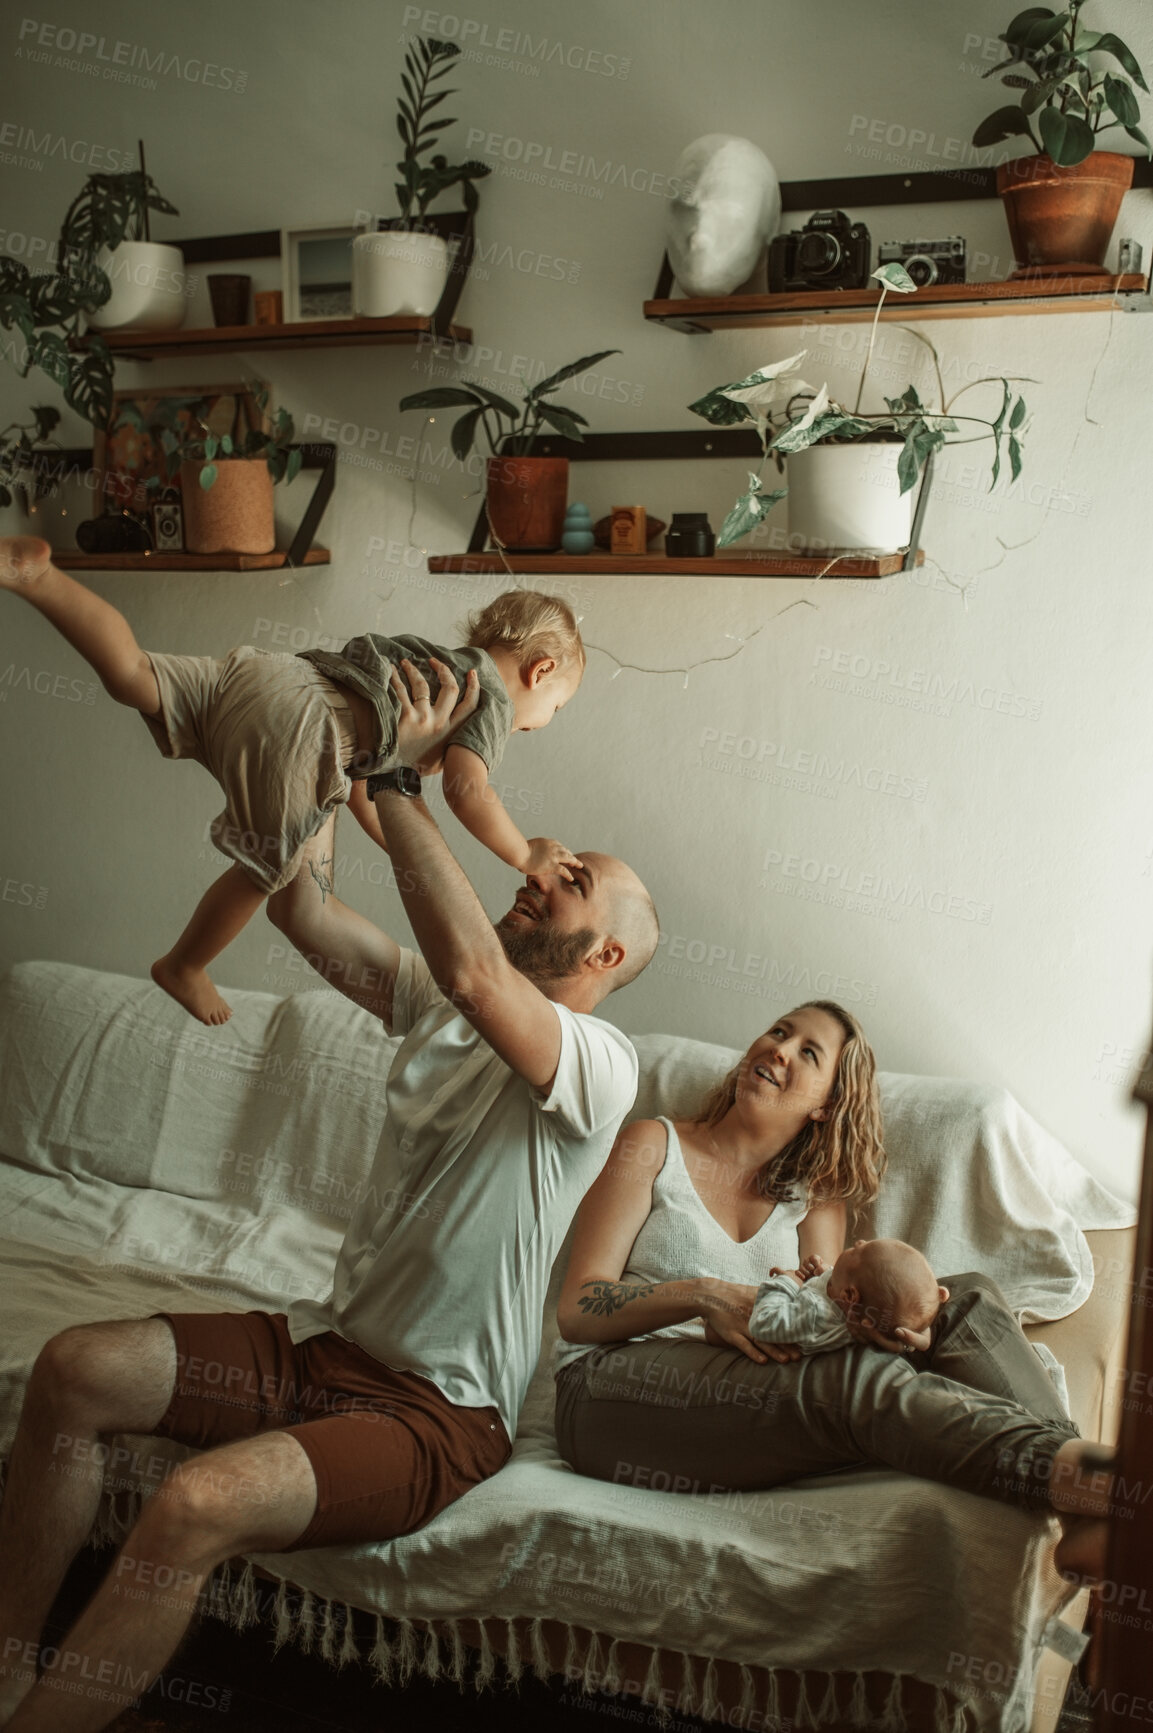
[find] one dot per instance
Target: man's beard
(543, 954)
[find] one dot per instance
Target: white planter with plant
(793, 418)
(404, 267)
(106, 227)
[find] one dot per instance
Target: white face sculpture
(728, 206)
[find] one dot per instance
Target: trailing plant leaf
(207, 476)
(895, 276)
(1014, 457)
(750, 510)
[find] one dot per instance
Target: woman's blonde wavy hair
(840, 1158)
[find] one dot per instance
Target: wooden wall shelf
(256, 339)
(848, 563)
(1086, 294)
(72, 560)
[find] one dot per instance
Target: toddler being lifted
(289, 738)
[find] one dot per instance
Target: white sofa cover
(148, 1162)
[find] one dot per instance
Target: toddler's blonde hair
(533, 626)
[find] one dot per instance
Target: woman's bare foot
(1081, 1491)
(23, 559)
(1081, 1551)
(192, 989)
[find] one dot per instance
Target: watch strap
(400, 779)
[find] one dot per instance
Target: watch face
(402, 780)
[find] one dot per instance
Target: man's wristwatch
(401, 779)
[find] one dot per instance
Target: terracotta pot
(1060, 219)
(234, 515)
(527, 497)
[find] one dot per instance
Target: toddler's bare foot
(23, 559)
(192, 988)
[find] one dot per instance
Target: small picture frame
(316, 265)
(126, 459)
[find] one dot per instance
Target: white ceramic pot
(148, 288)
(397, 271)
(848, 496)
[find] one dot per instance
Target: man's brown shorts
(388, 1449)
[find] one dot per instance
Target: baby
(288, 737)
(882, 1283)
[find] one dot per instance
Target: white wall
(1033, 600)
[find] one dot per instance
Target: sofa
(147, 1162)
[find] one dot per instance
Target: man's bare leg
(257, 1495)
(88, 1381)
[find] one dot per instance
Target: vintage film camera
(168, 522)
(927, 261)
(830, 252)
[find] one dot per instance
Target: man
(361, 1417)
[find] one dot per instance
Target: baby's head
(886, 1284)
(536, 645)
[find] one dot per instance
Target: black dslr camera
(830, 252)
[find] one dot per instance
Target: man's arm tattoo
(323, 879)
(608, 1297)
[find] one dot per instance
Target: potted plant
(1061, 204)
(105, 235)
(227, 459)
(403, 267)
(48, 309)
(526, 495)
(851, 472)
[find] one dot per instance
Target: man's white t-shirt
(446, 1263)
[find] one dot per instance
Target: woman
(656, 1368)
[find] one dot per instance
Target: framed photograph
(127, 457)
(317, 269)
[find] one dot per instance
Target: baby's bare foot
(193, 990)
(23, 559)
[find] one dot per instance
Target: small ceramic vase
(577, 537)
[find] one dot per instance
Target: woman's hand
(424, 726)
(725, 1308)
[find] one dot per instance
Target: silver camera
(927, 261)
(168, 523)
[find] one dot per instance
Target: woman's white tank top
(679, 1238)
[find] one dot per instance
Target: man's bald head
(628, 914)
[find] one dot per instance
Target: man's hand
(424, 725)
(546, 855)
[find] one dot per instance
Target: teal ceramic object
(577, 537)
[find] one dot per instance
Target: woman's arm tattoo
(608, 1297)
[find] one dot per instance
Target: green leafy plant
(525, 419)
(791, 416)
(1073, 104)
(22, 453)
(420, 183)
(188, 431)
(47, 310)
